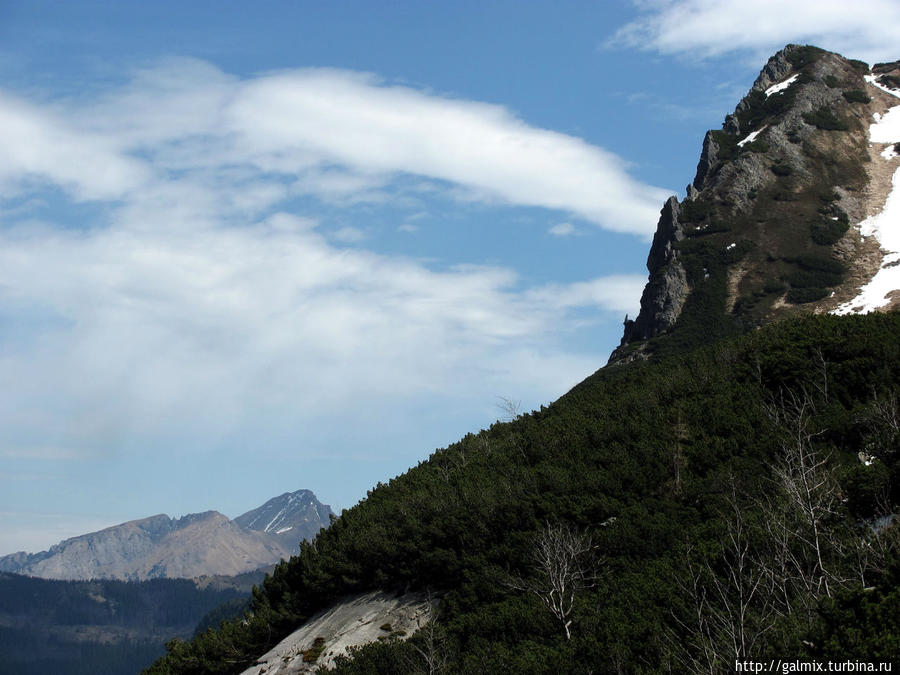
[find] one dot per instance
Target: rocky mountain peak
(770, 224)
(292, 517)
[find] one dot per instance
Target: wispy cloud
(563, 230)
(194, 306)
(332, 133)
(208, 328)
(349, 235)
(866, 29)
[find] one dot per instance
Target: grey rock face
(709, 157)
(777, 69)
(667, 288)
(353, 622)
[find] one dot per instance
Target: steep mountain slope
(650, 462)
(668, 487)
(192, 546)
(765, 231)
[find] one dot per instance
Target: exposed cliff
(766, 229)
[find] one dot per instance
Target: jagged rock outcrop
(766, 229)
(667, 289)
(198, 544)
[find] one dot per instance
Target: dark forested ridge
(731, 501)
(91, 627)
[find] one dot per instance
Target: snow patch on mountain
(781, 86)
(872, 79)
(884, 226)
(751, 137)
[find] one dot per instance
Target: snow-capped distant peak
(292, 514)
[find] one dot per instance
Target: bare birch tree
(563, 565)
(510, 409)
(810, 494)
(430, 642)
(729, 598)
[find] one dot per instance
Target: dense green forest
(729, 502)
(103, 626)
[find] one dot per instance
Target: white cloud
(619, 293)
(212, 329)
(193, 308)
(40, 146)
(562, 230)
(866, 29)
(336, 134)
(356, 120)
(349, 235)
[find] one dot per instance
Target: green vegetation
(89, 627)
(890, 81)
(312, 654)
(806, 293)
(856, 96)
(812, 278)
(829, 231)
(727, 144)
(804, 56)
(756, 146)
(774, 286)
(780, 169)
(758, 109)
(677, 472)
(230, 609)
(827, 273)
(859, 66)
(823, 118)
(696, 210)
(832, 82)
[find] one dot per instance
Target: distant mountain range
(198, 544)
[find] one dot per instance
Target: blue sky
(246, 249)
